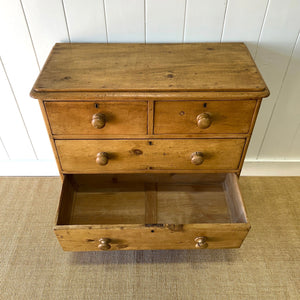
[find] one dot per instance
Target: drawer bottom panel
(162, 211)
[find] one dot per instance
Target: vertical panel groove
(293, 140)
(17, 104)
(64, 11)
(145, 22)
(278, 95)
(34, 51)
(184, 21)
(1, 142)
(224, 20)
(262, 27)
(106, 29)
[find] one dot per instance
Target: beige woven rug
(33, 266)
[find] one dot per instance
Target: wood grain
(118, 212)
(141, 155)
(151, 203)
(139, 237)
(76, 117)
(132, 96)
(133, 126)
(46, 120)
(152, 67)
(234, 199)
(181, 116)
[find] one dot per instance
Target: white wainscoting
(29, 29)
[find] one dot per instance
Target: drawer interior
(150, 199)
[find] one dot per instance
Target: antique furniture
(150, 140)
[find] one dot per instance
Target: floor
(33, 266)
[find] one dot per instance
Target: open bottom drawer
(150, 211)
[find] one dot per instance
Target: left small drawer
(97, 118)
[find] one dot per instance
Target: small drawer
(143, 211)
(97, 118)
(192, 117)
(101, 156)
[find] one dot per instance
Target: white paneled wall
(29, 28)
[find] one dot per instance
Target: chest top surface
(102, 68)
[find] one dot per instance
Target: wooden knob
(201, 242)
(197, 158)
(102, 158)
(104, 244)
(204, 120)
(98, 120)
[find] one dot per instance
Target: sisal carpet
(33, 266)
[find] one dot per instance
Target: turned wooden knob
(98, 120)
(104, 244)
(197, 158)
(204, 120)
(102, 158)
(201, 242)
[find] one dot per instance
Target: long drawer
(100, 156)
(142, 211)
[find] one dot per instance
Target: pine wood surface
(119, 212)
(180, 117)
(133, 96)
(79, 156)
(75, 118)
(187, 120)
(165, 67)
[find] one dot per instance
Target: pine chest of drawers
(149, 141)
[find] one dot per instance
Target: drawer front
(142, 211)
(182, 117)
(78, 118)
(97, 156)
(139, 237)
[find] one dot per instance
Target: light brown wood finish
(133, 96)
(184, 212)
(180, 117)
(151, 67)
(46, 120)
(254, 117)
(79, 156)
(233, 199)
(76, 118)
(152, 136)
(145, 121)
(151, 203)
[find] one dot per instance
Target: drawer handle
(104, 244)
(98, 120)
(204, 120)
(201, 242)
(102, 158)
(197, 158)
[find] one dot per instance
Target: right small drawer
(192, 117)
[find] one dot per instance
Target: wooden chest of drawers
(149, 141)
